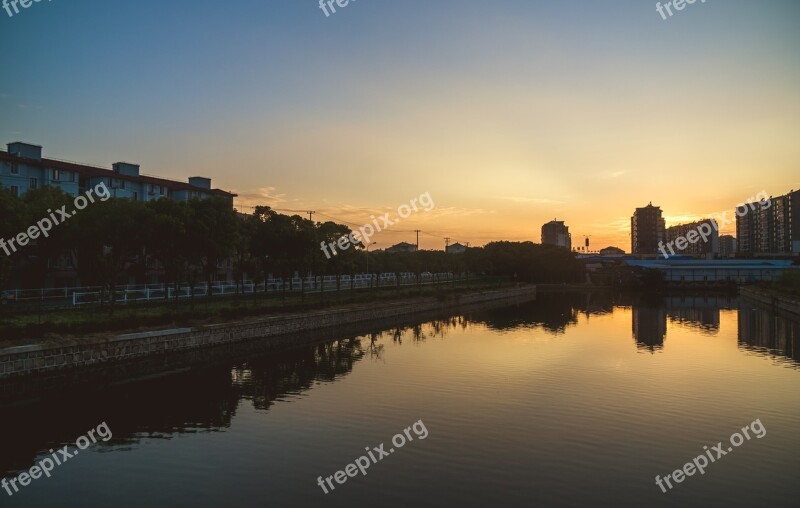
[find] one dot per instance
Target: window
(122, 184)
(161, 190)
(14, 169)
(136, 196)
(56, 175)
(72, 176)
(34, 183)
(15, 190)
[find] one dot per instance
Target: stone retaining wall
(781, 305)
(28, 360)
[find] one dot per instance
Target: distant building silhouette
(401, 247)
(704, 249)
(727, 246)
(612, 251)
(772, 230)
(456, 248)
(647, 230)
(556, 233)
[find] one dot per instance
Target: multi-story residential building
(773, 230)
(556, 233)
(727, 246)
(647, 230)
(701, 248)
(22, 168)
(746, 227)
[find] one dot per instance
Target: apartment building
(648, 229)
(23, 168)
(556, 232)
(771, 231)
(727, 246)
(701, 249)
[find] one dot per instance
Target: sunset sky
(509, 113)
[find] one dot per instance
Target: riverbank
(22, 327)
(782, 304)
(74, 353)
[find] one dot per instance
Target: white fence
(155, 292)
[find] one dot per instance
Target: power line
(349, 223)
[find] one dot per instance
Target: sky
(509, 113)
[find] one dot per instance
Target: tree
(211, 233)
(111, 241)
(10, 226)
(165, 239)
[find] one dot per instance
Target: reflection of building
(727, 246)
(771, 230)
(647, 230)
(699, 312)
(701, 248)
(402, 247)
(649, 326)
(764, 333)
(556, 233)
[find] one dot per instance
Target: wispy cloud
(524, 199)
(612, 174)
(264, 196)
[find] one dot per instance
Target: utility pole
(446, 244)
(310, 214)
(417, 231)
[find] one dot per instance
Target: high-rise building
(647, 230)
(556, 233)
(746, 227)
(727, 246)
(772, 229)
(701, 248)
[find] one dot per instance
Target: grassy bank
(55, 324)
(789, 285)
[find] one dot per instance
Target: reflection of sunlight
(622, 366)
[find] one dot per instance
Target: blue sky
(509, 113)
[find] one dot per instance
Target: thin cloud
(262, 196)
(612, 175)
(523, 199)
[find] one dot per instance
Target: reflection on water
(268, 379)
(270, 409)
(767, 334)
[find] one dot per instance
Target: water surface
(570, 400)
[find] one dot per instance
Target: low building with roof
(22, 168)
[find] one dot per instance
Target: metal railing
(123, 294)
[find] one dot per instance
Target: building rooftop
(726, 264)
(93, 171)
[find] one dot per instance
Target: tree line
(116, 240)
